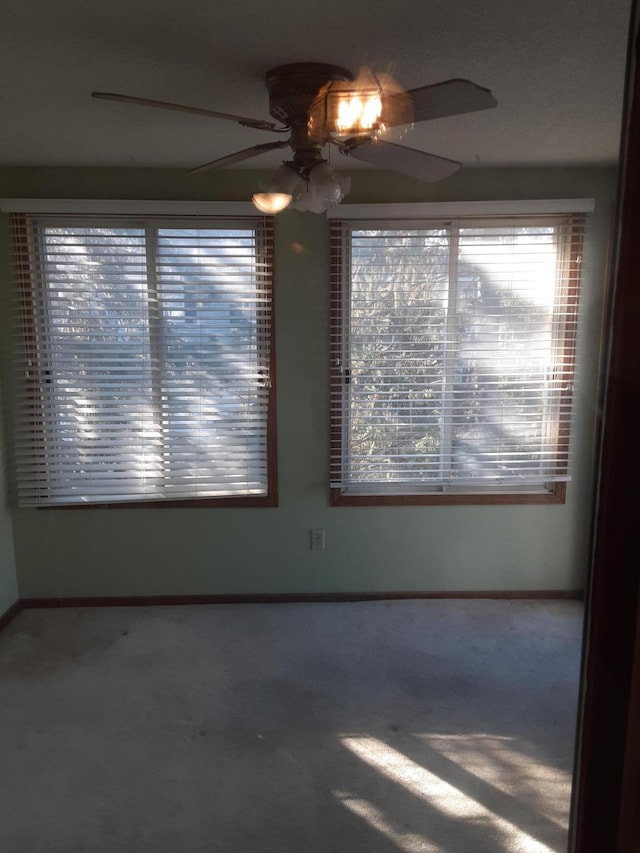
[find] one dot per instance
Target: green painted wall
(8, 581)
(173, 551)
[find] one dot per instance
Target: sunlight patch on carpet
(503, 763)
(439, 794)
(410, 842)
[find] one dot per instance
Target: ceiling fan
(317, 104)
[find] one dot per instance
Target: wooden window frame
(24, 245)
(556, 491)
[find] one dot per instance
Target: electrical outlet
(317, 540)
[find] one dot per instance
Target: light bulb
(271, 202)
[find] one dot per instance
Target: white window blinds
(144, 360)
(453, 354)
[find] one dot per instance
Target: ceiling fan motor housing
(293, 88)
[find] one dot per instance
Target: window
(146, 363)
(453, 359)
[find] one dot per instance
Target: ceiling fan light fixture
(364, 107)
(357, 113)
(271, 202)
(323, 190)
(287, 179)
(313, 188)
(285, 186)
(347, 113)
(325, 180)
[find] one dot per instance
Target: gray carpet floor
(295, 728)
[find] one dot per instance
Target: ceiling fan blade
(407, 161)
(449, 98)
(239, 156)
(258, 124)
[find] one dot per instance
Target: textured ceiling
(556, 69)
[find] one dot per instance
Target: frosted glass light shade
(271, 202)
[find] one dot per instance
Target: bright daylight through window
(145, 363)
(453, 359)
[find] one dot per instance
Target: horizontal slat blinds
(453, 354)
(144, 360)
